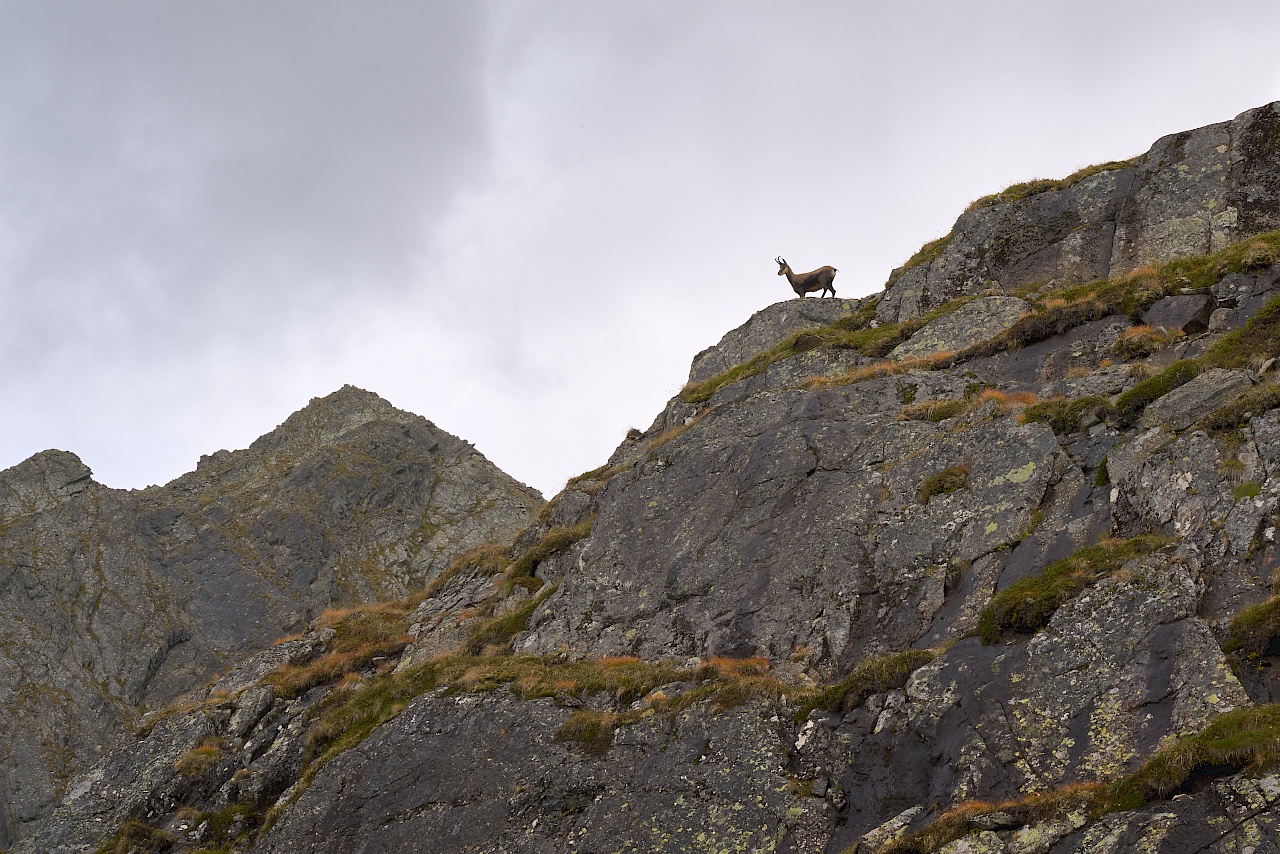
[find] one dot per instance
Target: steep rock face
(113, 601)
(499, 781)
(1192, 193)
(793, 522)
(861, 525)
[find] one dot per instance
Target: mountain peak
(42, 481)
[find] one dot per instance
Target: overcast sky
(518, 219)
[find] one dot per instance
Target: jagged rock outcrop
(764, 329)
(972, 322)
(1014, 593)
(116, 601)
(1192, 193)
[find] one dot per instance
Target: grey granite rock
(793, 519)
(1186, 313)
(1193, 192)
(115, 601)
(700, 550)
(764, 329)
(455, 774)
(1183, 406)
(972, 322)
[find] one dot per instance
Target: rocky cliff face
(115, 601)
(939, 570)
(1193, 193)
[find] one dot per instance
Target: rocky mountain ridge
(116, 601)
(985, 563)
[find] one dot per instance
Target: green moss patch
(923, 255)
(948, 480)
(854, 332)
(1252, 631)
(499, 630)
(1028, 603)
(851, 333)
(135, 837)
(1244, 739)
(1063, 415)
(1130, 405)
(1247, 490)
(873, 676)
(551, 543)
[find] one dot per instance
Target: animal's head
(782, 265)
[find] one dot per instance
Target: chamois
(806, 283)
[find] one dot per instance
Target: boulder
(1185, 405)
(972, 322)
(767, 327)
(1188, 313)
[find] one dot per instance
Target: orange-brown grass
(1008, 401)
(1138, 331)
(364, 634)
(679, 429)
(733, 668)
(1138, 342)
(1092, 798)
(591, 730)
(484, 559)
(884, 369)
(199, 759)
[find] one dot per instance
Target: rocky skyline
(490, 214)
(982, 563)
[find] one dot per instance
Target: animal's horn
(779, 261)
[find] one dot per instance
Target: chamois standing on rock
(806, 283)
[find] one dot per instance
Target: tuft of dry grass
(591, 730)
(1026, 189)
(135, 837)
(1008, 401)
(201, 758)
(935, 410)
(363, 635)
(884, 369)
(676, 430)
(1139, 342)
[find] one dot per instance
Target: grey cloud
(180, 164)
(519, 219)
